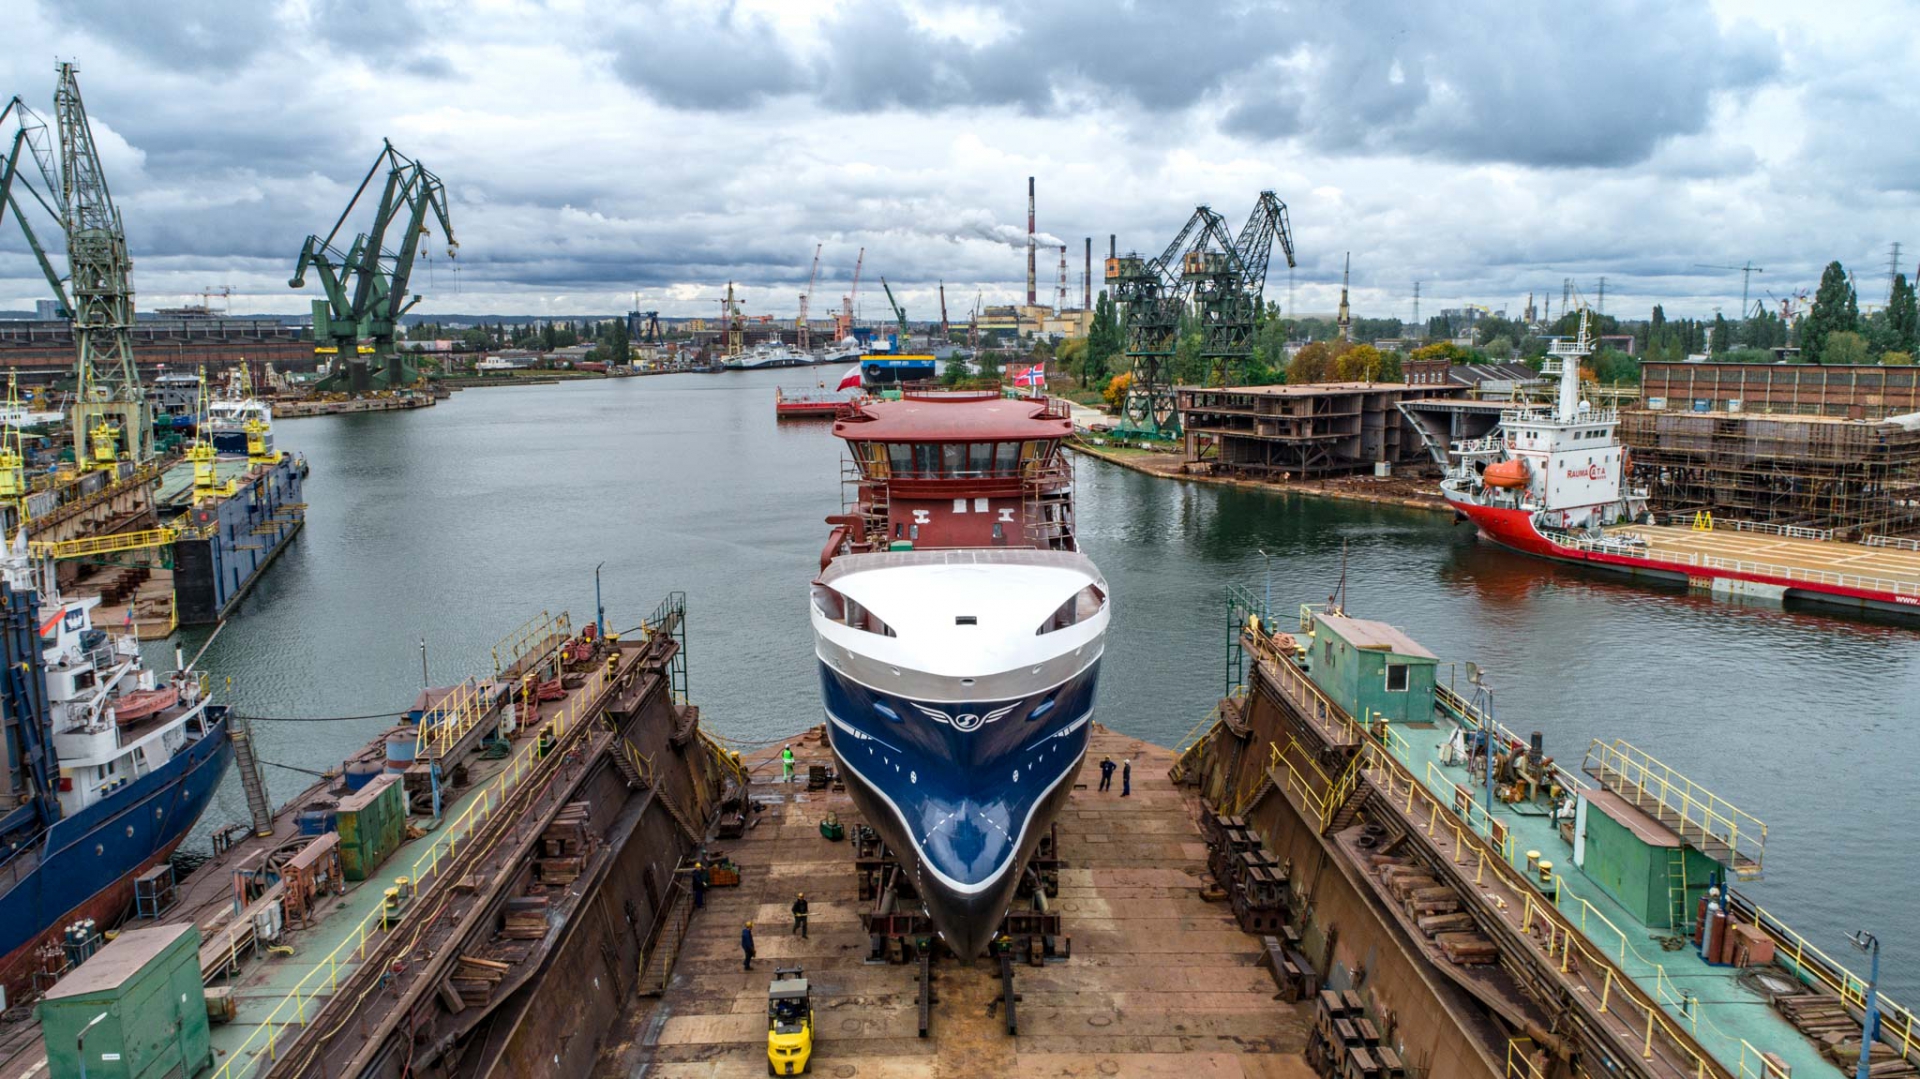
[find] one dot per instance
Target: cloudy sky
(592, 151)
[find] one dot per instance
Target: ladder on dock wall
(656, 971)
(637, 769)
(1677, 913)
(258, 807)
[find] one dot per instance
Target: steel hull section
(1514, 529)
(960, 802)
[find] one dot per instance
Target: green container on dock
(373, 824)
(1371, 669)
(145, 989)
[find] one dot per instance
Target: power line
(318, 719)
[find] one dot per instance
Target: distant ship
(109, 767)
(766, 356)
(959, 633)
(238, 423)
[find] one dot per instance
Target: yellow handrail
(540, 627)
(442, 726)
(1896, 1020)
(324, 978)
(113, 542)
(1635, 769)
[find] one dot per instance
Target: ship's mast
(1568, 355)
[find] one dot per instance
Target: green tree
(1500, 348)
(1896, 359)
(1361, 363)
(1835, 310)
(1072, 356)
(619, 342)
(1104, 341)
(989, 362)
(1903, 316)
(1845, 347)
(955, 373)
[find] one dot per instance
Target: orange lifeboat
(1511, 472)
(136, 706)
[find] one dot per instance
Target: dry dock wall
(1435, 1026)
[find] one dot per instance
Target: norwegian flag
(1030, 375)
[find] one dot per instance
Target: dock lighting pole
(424, 683)
(1870, 944)
(80, 1042)
(599, 610)
(1266, 606)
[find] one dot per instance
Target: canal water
(457, 523)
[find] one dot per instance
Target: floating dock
(357, 920)
(1540, 922)
(1160, 983)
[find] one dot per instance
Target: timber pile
(526, 918)
(1436, 909)
(565, 845)
(1345, 1044)
(1826, 1021)
(474, 978)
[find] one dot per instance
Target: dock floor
(1160, 983)
(1897, 569)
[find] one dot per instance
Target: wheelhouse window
(954, 460)
(1083, 605)
(848, 612)
(1397, 677)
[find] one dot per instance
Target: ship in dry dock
(959, 633)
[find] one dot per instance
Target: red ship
(1552, 483)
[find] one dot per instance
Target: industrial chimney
(1032, 296)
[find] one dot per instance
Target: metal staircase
(258, 807)
(656, 970)
(637, 769)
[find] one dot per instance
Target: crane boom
(899, 313)
(99, 273)
(31, 134)
(366, 287)
(806, 298)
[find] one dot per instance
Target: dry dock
(1160, 982)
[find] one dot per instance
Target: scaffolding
(1857, 478)
(1321, 429)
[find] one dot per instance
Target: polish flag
(850, 380)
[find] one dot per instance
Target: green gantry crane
(899, 315)
(366, 286)
(111, 418)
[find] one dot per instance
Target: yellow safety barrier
(1519, 1062)
(536, 630)
(1640, 777)
(325, 977)
(112, 543)
(1897, 1024)
(442, 726)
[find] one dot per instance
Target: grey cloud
(718, 58)
(1560, 86)
(178, 36)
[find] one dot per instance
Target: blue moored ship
(959, 633)
(108, 769)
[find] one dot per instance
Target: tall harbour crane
(111, 419)
(1152, 295)
(1228, 276)
(1746, 279)
(844, 324)
(366, 285)
(899, 313)
(806, 339)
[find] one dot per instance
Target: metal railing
(1754, 569)
(112, 543)
(1638, 776)
(443, 725)
(1710, 523)
(536, 630)
(304, 1002)
(1898, 1027)
(1902, 543)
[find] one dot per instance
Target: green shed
(1371, 668)
(372, 823)
(1638, 861)
(144, 991)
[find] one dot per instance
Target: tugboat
(239, 424)
(109, 767)
(959, 632)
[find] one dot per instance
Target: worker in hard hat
(800, 915)
(786, 765)
(746, 945)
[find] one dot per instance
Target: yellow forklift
(789, 1022)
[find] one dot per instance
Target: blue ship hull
(87, 861)
(960, 792)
